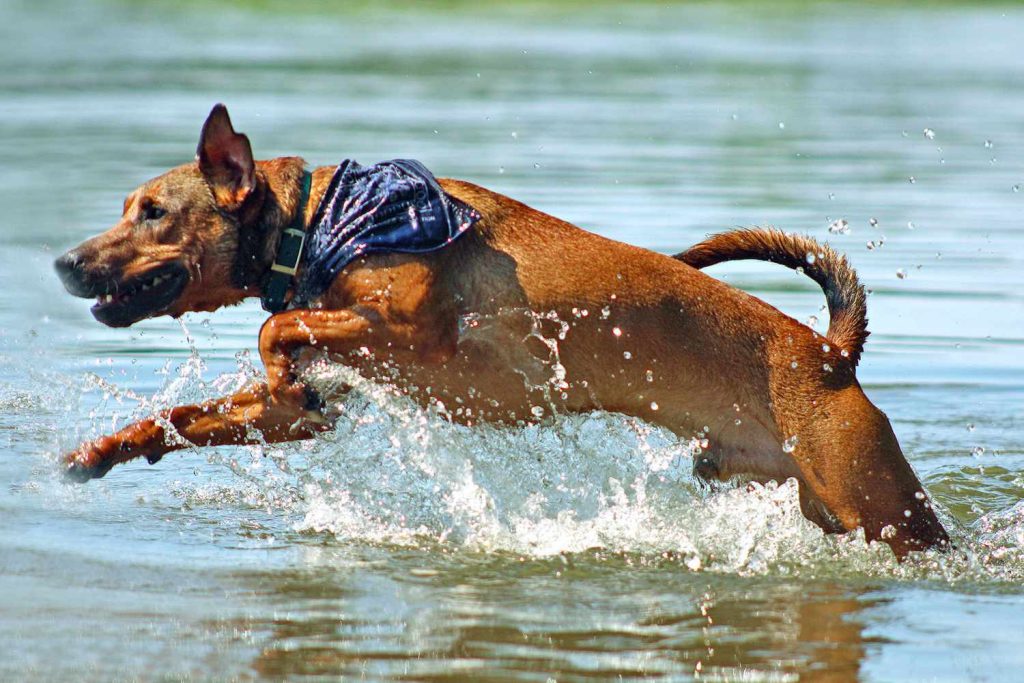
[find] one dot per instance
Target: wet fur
(647, 335)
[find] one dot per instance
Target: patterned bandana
(393, 206)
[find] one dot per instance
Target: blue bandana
(393, 206)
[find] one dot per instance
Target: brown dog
(636, 332)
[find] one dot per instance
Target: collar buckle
(289, 255)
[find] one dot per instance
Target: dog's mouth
(120, 304)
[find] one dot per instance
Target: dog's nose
(67, 264)
(71, 269)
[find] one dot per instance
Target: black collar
(289, 254)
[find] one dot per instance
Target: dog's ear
(225, 160)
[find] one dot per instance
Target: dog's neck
(272, 207)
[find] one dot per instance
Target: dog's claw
(154, 459)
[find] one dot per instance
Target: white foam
(394, 473)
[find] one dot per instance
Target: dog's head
(176, 247)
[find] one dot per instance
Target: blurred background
(401, 547)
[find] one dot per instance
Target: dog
(521, 317)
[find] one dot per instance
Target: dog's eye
(153, 212)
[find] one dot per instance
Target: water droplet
(605, 312)
(978, 451)
(782, 125)
(929, 133)
(794, 365)
(559, 372)
(826, 367)
(839, 227)
(649, 376)
(537, 411)
(515, 135)
(970, 426)
(901, 274)
(617, 332)
(919, 495)
(912, 180)
(907, 513)
(738, 422)
(654, 405)
(910, 225)
(988, 144)
(789, 445)
(1016, 188)
(536, 165)
(888, 532)
(826, 348)
(873, 222)
(627, 355)
(811, 258)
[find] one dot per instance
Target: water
(401, 546)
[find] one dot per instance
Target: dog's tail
(847, 306)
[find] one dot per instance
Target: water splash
(394, 473)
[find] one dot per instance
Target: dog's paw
(705, 468)
(88, 461)
(81, 472)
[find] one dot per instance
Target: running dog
(515, 315)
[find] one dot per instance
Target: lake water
(402, 547)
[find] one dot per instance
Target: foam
(394, 473)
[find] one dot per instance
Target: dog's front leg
(399, 340)
(284, 409)
(248, 416)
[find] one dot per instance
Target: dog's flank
(638, 333)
